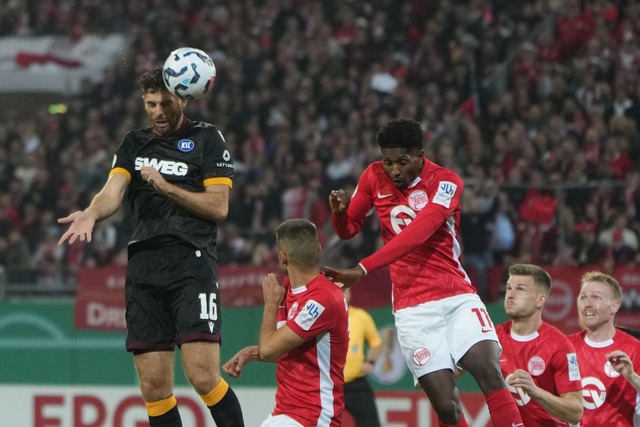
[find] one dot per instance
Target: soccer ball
(189, 73)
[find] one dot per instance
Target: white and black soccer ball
(189, 73)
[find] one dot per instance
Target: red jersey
(310, 377)
(550, 358)
(608, 398)
(419, 226)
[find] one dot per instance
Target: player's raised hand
(522, 379)
(621, 362)
(272, 290)
(81, 227)
(339, 201)
(234, 366)
(347, 277)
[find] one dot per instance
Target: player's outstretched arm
(104, 204)
(234, 366)
(346, 278)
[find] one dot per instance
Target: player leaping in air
(441, 321)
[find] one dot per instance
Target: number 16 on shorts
(209, 308)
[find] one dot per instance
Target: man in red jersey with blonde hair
(538, 362)
(607, 355)
(441, 321)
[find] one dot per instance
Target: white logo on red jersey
(574, 370)
(418, 200)
(594, 393)
(292, 311)
(609, 371)
(536, 366)
(446, 191)
(384, 196)
(398, 217)
(519, 395)
(309, 314)
(421, 356)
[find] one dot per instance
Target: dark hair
(298, 238)
(540, 276)
(401, 133)
(152, 81)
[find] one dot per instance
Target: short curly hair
(152, 81)
(401, 133)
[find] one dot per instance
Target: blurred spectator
(503, 239)
(476, 230)
(303, 86)
(588, 251)
(620, 241)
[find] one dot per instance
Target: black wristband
(373, 362)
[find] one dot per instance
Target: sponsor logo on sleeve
(309, 314)
(446, 191)
(574, 371)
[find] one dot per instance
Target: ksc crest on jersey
(186, 145)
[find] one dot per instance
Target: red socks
(503, 409)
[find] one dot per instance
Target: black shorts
(172, 297)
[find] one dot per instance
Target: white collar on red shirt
(525, 338)
(596, 344)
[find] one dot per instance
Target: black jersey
(196, 156)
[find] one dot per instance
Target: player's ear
(282, 258)
(616, 306)
(542, 299)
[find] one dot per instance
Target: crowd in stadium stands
(548, 145)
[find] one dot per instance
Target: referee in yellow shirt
(358, 394)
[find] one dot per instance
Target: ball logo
(186, 145)
(418, 200)
(519, 395)
(421, 356)
(594, 393)
(609, 371)
(560, 301)
(536, 366)
(401, 216)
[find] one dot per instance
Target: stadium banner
(561, 309)
(99, 406)
(100, 293)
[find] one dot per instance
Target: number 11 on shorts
(484, 319)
